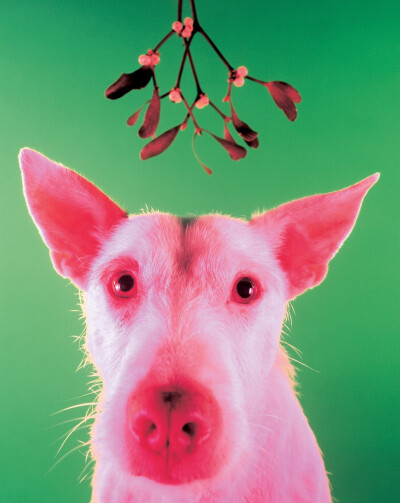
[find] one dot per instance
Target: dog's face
(183, 321)
(204, 310)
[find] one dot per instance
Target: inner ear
(73, 216)
(307, 233)
(304, 264)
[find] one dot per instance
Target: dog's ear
(307, 233)
(73, 216)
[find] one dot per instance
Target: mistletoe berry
(203, 101)
(175, 95)
(241, 71)
(177, 27)
(145, 60)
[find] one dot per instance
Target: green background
(56, 60)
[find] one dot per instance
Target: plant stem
(206, 168)
(228, 92)
(255, 80)
(199, 91)
(187, 44)
(164, 40)
(189, 109)
(225, 117)
(194, 13)
(184, 123)
(230, 68)
(180, 10)
(154, 79)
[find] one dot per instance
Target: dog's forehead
(206, 243)
(155, 231)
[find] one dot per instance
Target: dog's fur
(185, 324)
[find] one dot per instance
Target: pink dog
(183, 324)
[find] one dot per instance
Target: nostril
(149, 431)
(143, 427)
(190, 429)
(193, 433)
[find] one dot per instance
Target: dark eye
(244, 291)
(123, 284)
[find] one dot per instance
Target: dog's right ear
(73, 216)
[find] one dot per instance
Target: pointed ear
(307, 233)
(73, 216)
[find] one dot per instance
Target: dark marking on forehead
(187, 222)
(183, 258)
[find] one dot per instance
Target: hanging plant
(284, 95)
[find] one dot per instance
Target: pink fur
(184, 327)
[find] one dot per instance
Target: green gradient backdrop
(56, 60)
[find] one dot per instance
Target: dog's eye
(244, 291)
(124, 284)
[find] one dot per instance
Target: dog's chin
(165, 478)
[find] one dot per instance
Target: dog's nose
(171, 421)
(172, 429)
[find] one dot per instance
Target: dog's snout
(170, 429)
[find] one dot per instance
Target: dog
(184, 317)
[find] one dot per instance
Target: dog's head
(183, 315)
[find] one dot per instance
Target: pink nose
(171, 420)
(173, 432)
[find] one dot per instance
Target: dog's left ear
(307, 233)
(73, 216)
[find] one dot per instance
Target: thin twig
(184, 123)
(154, 80)
(255, 80)
(228, 92)
(225, 117)
(190, 112)
(194, 13)
(167, 36)
(199, 91)
(178, 80)
(180, 10)
(219, 53)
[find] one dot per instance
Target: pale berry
(155, 58)
(186, 33)
(202, 102)
(175, 95)
(238, 82)
(241, 71)
(144, 59)
(188, 21)
(177, 26)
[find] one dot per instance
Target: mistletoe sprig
(284, 95)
